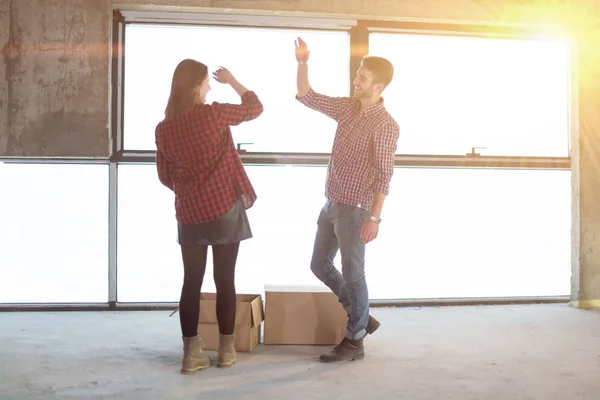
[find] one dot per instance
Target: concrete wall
(461, 10)
(56, 66)
(586, 179)
(4, 34)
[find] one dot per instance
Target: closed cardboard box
(248, 320)
(305, 315)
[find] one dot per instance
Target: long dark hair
(187, 78)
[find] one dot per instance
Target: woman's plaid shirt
(197, 159)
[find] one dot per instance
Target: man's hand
(369, 231)
(302, 52)
(222, 75)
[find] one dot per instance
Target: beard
(362, 94)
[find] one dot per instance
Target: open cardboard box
(248, 320)
(303, 315)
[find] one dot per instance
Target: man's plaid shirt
(362, 158)
(197, 159)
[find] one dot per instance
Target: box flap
(249, 311)
(258, 315)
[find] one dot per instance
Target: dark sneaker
(347, 350)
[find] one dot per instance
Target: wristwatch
(375, 219)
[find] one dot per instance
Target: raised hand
(302, 52)
(222, 75)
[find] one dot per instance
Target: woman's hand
(222, 75)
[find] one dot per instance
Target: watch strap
(375, 219)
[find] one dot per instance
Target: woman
(197, 159)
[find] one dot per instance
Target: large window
(54, 235)
(100, 233)
(446, 233)
(450, 94)
(261, 59)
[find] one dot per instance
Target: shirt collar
(373, 108)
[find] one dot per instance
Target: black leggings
(194, 266)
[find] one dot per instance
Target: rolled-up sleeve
(385, 143)
(234, 114)
(330, 106)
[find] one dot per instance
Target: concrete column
(55, 83)
(585, 149)
(4, 37)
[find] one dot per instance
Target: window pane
(446, 233)
(453, 93)
(150, 269)
(261, 59)
(473, 233)
(149, 266)
(54, 233)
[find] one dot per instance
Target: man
(358, 179)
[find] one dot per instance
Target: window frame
(359, 30)
(114, 304)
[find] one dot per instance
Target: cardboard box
(307, 315)
(248, 320)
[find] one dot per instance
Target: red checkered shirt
(362, 158)
(197, 159)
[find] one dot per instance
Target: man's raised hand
(302, 52)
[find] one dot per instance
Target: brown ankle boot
(372, 325)
(194, 358)
(347, 350)
(226, 351)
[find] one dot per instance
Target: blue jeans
(339, 227)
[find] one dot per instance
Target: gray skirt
(231, 227)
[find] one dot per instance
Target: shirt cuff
(383, 187)
(307, 97)
(249, 95)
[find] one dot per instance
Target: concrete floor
(488, 352)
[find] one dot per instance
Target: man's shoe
(347, 350)
(372, 325)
